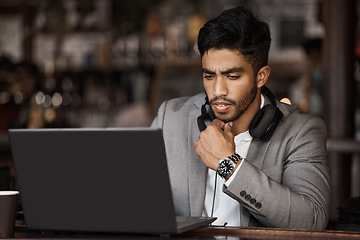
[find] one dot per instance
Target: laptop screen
(98, 180)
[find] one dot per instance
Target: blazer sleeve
(295, 191)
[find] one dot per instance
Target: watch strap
(235, 157)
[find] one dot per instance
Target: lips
(221, 106)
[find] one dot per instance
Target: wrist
(227, 166)
(236, 166)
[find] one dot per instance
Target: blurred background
(108, 63)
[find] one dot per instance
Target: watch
(227, 165)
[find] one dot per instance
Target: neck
(243, 122)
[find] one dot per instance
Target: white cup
(8, 208)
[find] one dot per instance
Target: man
(276, 176)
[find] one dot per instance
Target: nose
(220, 87)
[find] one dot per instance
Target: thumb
(227, 127)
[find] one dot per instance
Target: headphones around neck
(263, 124)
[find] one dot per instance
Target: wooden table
(214, 233)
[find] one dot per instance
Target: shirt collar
(243, 137)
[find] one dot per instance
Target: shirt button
(258, 205)
(242, 193)
(247, 197)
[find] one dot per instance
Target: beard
(240, 107)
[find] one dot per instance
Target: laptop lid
(94, 180)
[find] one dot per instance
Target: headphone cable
(213, 201)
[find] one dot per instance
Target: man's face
(229, 83)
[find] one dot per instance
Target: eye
(209, 77)
(233, 77)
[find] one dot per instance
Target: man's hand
(215, 142)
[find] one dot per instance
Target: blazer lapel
(197, 170)
(258, 148)
(256, 156)
(257, 152)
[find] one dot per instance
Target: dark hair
(237, 29)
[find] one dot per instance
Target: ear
(263, 76)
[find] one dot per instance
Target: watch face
(225, 168)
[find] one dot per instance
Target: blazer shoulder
(292, 112)
(185, 103)
(294, 123)
(174, 110)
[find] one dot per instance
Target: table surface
(216, 233)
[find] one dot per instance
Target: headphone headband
(266, 91)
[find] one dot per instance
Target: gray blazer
(283, 182)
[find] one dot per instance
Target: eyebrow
(230, 70)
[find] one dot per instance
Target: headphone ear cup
(206, 117)
(211, 114)
(261, 121)
(203, 120)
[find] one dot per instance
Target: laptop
(109, 180)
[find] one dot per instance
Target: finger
(198, 146)
(199, 150)
(228, 126)
(218, 123)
